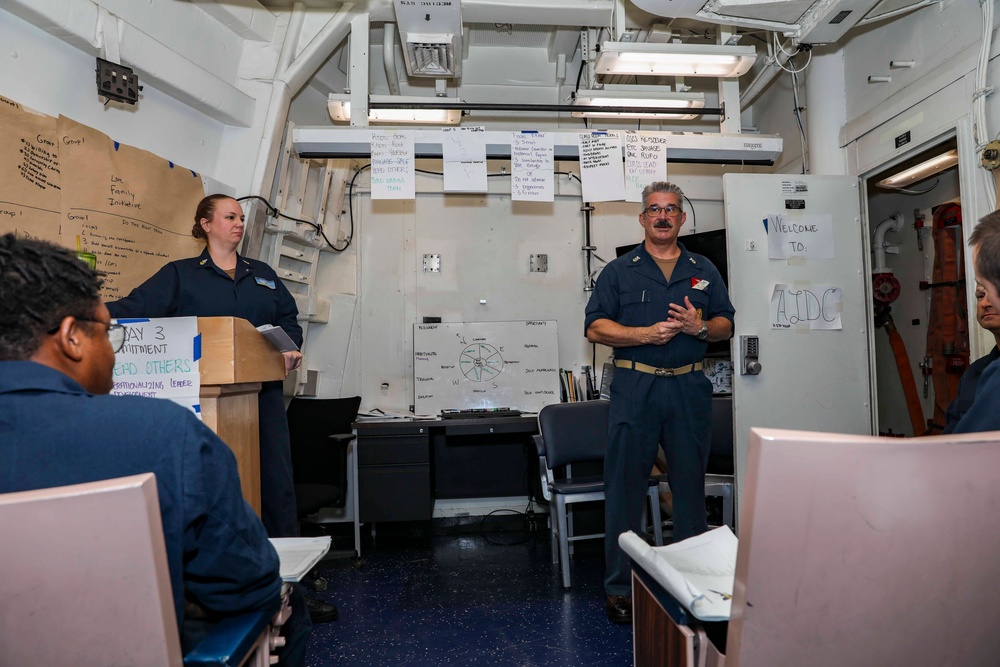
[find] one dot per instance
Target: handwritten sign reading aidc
(806, 307)
(160, 360)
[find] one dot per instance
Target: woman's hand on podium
(292, 361)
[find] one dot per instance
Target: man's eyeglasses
(654, 210)
(116, 332)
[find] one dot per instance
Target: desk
(400, 466)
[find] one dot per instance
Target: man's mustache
(660, 224)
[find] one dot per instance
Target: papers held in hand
(298, 555)
(278, 338)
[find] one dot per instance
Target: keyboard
(480, 413)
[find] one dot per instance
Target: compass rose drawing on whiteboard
(480, 362)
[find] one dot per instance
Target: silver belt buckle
(664, 372)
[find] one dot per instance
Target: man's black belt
(659, 372)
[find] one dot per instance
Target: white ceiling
(528, 51)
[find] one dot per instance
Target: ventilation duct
(431, 37)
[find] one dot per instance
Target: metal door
(812, 376)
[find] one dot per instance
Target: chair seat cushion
(588, 484)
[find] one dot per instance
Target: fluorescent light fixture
(656, 100)
(670, 59)
(921, 171)
(339, 108)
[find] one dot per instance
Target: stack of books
(577, 389)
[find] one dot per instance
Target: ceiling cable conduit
(772, 66)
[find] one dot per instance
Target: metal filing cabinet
(394, 473)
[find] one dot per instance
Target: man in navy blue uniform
(57, 427)
(659, 306)
(989, 319)
(984, 412)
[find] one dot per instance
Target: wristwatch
(703, 332)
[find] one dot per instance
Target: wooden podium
(235, 360)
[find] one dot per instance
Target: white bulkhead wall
(234, 51)
(206, 84)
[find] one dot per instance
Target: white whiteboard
(465, 365)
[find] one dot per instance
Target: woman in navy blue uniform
(220, 283)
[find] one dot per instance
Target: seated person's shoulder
(157, 417)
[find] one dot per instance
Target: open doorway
(918, 284)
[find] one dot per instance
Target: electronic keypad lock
(750, 348)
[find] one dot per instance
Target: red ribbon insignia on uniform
(699, 284)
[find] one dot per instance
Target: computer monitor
(709, 244)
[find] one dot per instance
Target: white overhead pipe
(290, 79)
(389, 57)
(552, 13)
(315, 53)
(893, 223)
(295, 22)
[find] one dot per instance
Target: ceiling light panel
(671, 59)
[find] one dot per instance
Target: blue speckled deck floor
(459, 600)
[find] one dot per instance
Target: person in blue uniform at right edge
(984, 412)
(221, 283)
(989, 319)
(659, 306)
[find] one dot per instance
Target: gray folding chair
(572, 433)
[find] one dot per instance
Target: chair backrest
(310, 423)
(574, 432)
(720, 458)
(84, 577)
(858, 550)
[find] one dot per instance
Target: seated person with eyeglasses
(57, 427)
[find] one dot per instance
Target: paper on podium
(278, 338)
(298, 555)
(699, 571)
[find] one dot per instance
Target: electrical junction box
(117, 82)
